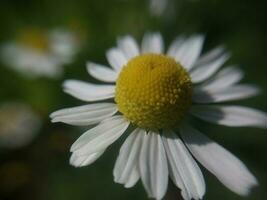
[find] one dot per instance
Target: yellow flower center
(153, 91)
(34, 38)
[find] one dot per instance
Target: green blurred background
(41, 170)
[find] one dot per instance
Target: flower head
(35, 52)
(158, 93)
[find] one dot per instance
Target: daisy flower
(19, 125)
(157, 93)
(36, 52)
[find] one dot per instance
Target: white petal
(101, 136)
(153, 165)
(81, 161)
(116, 58)
(144, 163)
(210, 56)
(158, 166)
(85, 115)
(102, 72)
(175, 45)
(220, 162)
(152, 43)
(125, 170)
(231, 115)
(128, 46)
(88, 91)
(187, 51)
(208, 64)
(225, 77)
(235, 92)
(184, 171)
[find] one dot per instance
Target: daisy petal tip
(246, 191)
(227, 55)
(66, 90)
(89, 65)
(252, 183)
(116, 179)
(72, 160)
(52, 115)
(255, 182)
(73, 147)
(202, 191)
(66, 84)
(258, 90)
(128, 185)
(221, 48)
(199, 37)
(123, 37)
(111, 51)
(53, 120)
(73, 164)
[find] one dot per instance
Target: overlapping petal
(208, 64)
(153, 165)
(126, 168)
(186, 51)
(184, 171)
(224, 78)
(100, 137)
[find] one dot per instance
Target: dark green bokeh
(240, 25)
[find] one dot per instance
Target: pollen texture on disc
(153, 91)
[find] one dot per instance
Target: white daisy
(19, 125)
(40, 53)
(157, 93)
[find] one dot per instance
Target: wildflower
(40, 53)
(157, 93)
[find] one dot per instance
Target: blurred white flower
(19, 125)
(41, 53)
